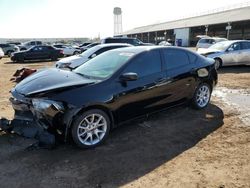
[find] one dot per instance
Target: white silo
(117, 21)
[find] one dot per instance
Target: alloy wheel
(203, 96)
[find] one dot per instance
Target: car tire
(201, 97)
(217, 63)
(76, 52)
(90, 128)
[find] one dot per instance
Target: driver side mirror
(129, 76)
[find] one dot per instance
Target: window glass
(145, 64)
(245, 45)
(32, 43)
(175, 58)
(235, 46)
(38, 42)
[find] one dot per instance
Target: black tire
(218, 63)
(197, 101)
(79, 120)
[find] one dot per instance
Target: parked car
(127, 40)
(85, 44)
(77, 60)
(9, 48)
(235, 52)
(84, 48)
(165, 43)
(67, 49)
(15, 43)
(207, 42)
(114, 87)
(37, 52)
(29, 44)
(1, 53)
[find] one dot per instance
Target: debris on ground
(22, 73)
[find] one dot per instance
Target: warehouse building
(231, 22)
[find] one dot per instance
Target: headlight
(64, 65)
(42, 105)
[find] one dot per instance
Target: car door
(135, 98)
(180, 69)
(232, 54)
(245, 53)
(33, 53)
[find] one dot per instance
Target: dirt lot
(177, 148)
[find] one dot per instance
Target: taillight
(61, 51)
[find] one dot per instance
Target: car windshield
(104, 65)
(89, 51)
(220, 45)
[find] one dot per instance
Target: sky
(91, 18)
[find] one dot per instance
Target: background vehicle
(236, 52)
(132, 41)
(84, 44)
(29, 44)
(84, 48)
(37, 52)
(9, 48)
(67, 49)
(1, 53)
(208, 41)
(116, 86)
(165, 43)
(75, 61)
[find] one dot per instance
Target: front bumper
(50, 119)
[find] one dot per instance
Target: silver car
(226, 53)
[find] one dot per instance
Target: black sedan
(114, 87)
(37, 53)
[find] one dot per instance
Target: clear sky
(88, 18)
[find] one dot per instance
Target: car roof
(119, 38)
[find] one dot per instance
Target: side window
(175, 58)
(32, 43)
(245, 45)
(38, 42)
(235, 46)
(145, 64)
(211, 41)
(101, 50)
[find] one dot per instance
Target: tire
(218, 63)
(201, 96)
(85, 127)
(76, 52)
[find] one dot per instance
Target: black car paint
(121, 100)
(47, 52)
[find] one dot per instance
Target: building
(229, 22)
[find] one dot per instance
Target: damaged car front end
(35, 103)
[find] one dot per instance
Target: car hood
(206, 51)
(50, 80)
(74, 61)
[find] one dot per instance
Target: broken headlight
(43, 104)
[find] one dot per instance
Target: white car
(165, 43)
(77, 60)
(1, 53)
(206, 42)
(67, 50)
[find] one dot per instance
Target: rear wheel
(218, 63)
(90, 128)
(76, 52)
(201, 96)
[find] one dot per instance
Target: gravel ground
(180, 147)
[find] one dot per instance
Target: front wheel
(201, 96)
(90, 128)
(217, 63)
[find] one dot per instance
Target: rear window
(245, 45)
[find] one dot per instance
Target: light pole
(148, 37)
(165, 35)
(228, 28)
(206, 30)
